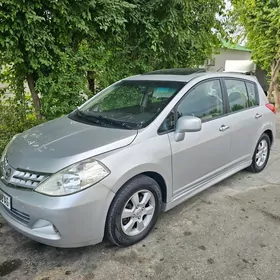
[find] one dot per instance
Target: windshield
(129, 104)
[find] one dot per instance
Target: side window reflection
(204, 101)
(237, 95)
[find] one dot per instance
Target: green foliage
(34, 33)
(14, 118)
(65, 87)
(262, 28)
(165, 34)
(38, 37)
(57, 45)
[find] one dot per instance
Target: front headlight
(74, 178)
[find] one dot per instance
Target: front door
(201, 155)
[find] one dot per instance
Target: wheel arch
(270, 135)
(163, 176)
(161, 182)
(267, 129)
(155, 175)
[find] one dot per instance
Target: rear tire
(261, 155)
(134, 211)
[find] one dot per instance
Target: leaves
(15, 117)
(59, 42)
(262, 27)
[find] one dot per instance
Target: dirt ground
(230, 231)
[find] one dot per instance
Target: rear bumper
(71, 221)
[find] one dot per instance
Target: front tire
(261, 155)
(134, 211)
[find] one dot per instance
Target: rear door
(244, 117)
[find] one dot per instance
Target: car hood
(56, 144)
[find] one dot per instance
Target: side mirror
(186, 124)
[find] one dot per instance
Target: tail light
(271, 107)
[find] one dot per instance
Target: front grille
(18, 215)
(19, 177)
(26, 179)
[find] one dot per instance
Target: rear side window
(252, 94)
(237, 95)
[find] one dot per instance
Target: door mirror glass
(186, 124)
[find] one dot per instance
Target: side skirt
(204, 185)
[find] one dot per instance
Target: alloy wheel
(138, 212)
(262, 152)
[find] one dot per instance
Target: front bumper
(70, 221)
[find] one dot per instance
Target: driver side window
(205, 101)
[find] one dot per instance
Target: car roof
(186, 75)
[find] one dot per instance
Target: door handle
(224, 128)
(257, 116)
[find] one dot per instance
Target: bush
(15, 117)
(64, 88)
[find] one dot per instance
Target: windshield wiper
(87, 117)
(113, 122)
(99, 119)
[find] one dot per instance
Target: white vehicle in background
(240, 66)
(248, 67)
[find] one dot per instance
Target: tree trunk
(91, 81)
(269, 95)
(276, 95)
(34, 95)
(275, 67)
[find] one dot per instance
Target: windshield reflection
(129, 104)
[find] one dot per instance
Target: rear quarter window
(253, 94)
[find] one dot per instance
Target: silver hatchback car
(141, 146)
